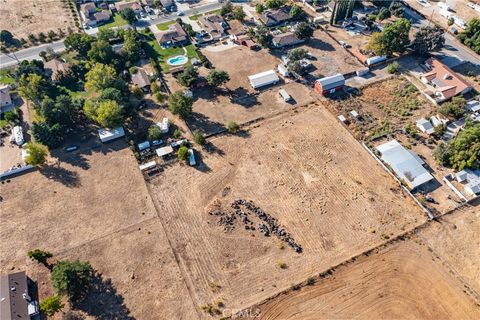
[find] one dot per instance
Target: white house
(425, 126)
(405, 163)
(5, 98)
(471, 181)
(164, 125)
(263, 79)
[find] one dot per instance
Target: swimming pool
(177, 60)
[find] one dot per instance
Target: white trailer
(107, 135)
(191, 157)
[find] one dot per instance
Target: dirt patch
(402, 281)
(22, 17)
(302, 168)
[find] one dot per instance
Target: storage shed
(164, 151)
(263, 79)
(107, 135)
(329, 85)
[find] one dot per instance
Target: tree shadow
(204, 124)
(59, 174)
(320, 45)
(102, 301)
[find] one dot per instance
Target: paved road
(9, 60)
(454, 52)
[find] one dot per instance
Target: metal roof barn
(330, 84)
(407, 165)
(107, 135)
(263, 79)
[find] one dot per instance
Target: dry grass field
(22, 17)
(304, 169)
(95, 206)
(456, 240)
(402, 281)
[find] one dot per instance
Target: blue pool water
(177, 60)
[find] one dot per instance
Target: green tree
(295, 67)
(259, 7)
(106, 113)
(101, 52)
(394, 38)
(32, 87)
(465, 148)
(384, 14)
(233, 127)
(132, 45)
(454, 108)
(238, 13)
(227, 8)
(106, 34)
(71, 278)
(51, 305)
(36, 154)
(177, 134)
(442, 154)
(179, 104)
(63, 110)
(6, 37)
(188, 77)
(112, 94)
(263, 36)
(198, 137)
(217, 78)
(303, 31)
(428, 39)
(79, 42)
(275, 4)
(154, 133)
(471, 35)
(40, 256)
(182, 153)
(51, 136)
(296, 13)
(450, 21)
(297, 54)
(393, 67)
(129, 15)
(11, 115)
(103, 76)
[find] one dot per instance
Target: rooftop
(445, 79)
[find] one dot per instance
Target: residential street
(11, 59)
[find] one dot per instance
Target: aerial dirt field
(95, 206)
(22, 17)
(456, 240)
(302, 168)
(401, 281)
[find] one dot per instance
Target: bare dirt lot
(22, 17)
(95, 206)
(456, 240)
(401, 281)
(302, 168)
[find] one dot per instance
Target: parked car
(157, 142)
(71, 148)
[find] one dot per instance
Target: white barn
(263, 79)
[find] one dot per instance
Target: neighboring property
(164, 151)
(473, 106)
(445, 83)
(91, 17)
(17, 297)
(5, 98)
(329, 85)
(134, 5)
(263, 79)
(55, 68)
(285, 39)
(174, 36)
(471, 181)
(141, 80)
(276, 17)
(405, 163)
(214, 25)
(107, 135)
(425, 126)
(168, 5)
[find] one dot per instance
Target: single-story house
(91, 17)
(168, 5)
(263, 79)
(473, 106)
(285, 39)
(134, 5)
(245, 40)
(141, 80)
(275, 17)
(56, 68)
(214, 24)
(107, 135)
(17, 300)
(5, 98)
(148, 2)
(329, 85)
(425, 126)
(471, 181)
(407, 165)
(164, 125)
(174, 36)
(445, 82)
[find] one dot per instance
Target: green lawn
(198, 15)
(164, 26)
(156, 52)
(3, 123)
(117, 21)
(5, 77)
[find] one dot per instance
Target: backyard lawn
(5, 77)
(117, 21)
